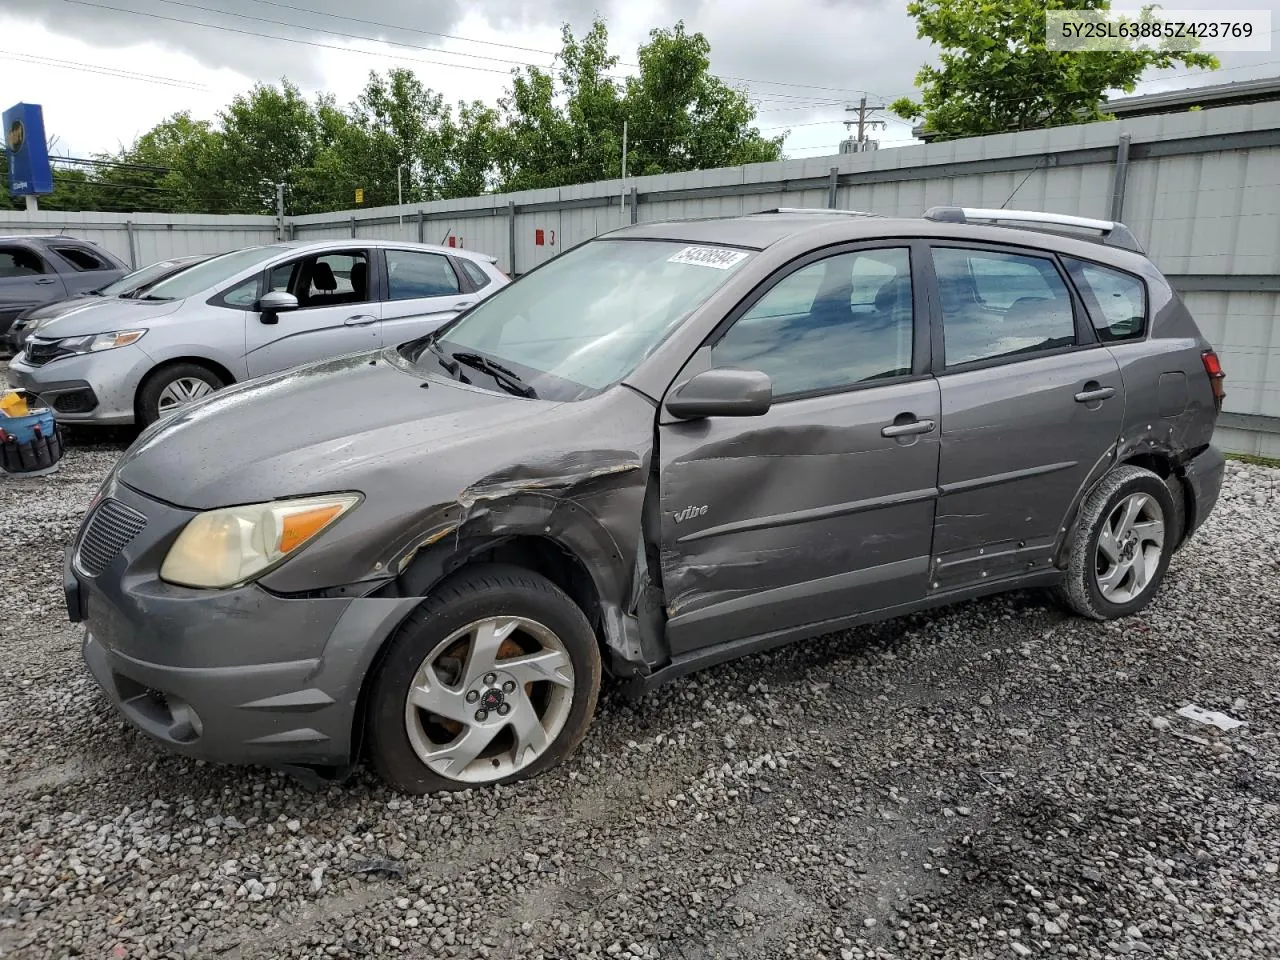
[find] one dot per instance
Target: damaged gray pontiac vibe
(673, 445)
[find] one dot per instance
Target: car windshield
(585, 320)
(202, 276)
(140, 278)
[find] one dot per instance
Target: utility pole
(864, 122)
(280, 209)
(622, 201)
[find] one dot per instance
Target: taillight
(1213, 367)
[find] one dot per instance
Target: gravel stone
(815, 831)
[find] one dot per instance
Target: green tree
(995, 73)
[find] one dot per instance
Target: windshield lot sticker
(717, 257)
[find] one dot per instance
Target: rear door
(423, 290)
(338, 312)
(27, 280)
(822, 507)
(1032, 407)
(83, 268)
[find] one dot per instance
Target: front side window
(1117, 301)
(997, 305)
(16, 262)
(586, 319)
(412, 275)
(832, 324)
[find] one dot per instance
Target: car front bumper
(94, 388)
(238, 676)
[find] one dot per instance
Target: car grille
(40, 352)
(110, 529)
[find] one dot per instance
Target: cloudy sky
(107, 70)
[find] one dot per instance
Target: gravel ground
(994, 780)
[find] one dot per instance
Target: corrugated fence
(1201, 190)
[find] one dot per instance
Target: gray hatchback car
(242, 315)
(670, 446)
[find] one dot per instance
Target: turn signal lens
(228, 547)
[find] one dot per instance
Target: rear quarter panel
(1169, 407)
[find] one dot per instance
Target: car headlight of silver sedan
(97, 342)
(228, 547)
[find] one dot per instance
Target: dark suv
(37, 270)
(672, 445)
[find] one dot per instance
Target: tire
(424, 656)
(183, 378)
(1100, 587)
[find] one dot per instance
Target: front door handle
(907, 429)
(463, 304)
(45, 280)
(361, 320)
(1092, 393)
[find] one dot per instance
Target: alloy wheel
(489, 699)
(1130, 545)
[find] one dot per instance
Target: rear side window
(477, 276)
(1117, 301)
(412, 275)
(20, 262)
(81, 259)
(998, 305)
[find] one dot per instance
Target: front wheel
(169, 389)
(492, 679)
(1125, 535)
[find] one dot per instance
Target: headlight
(223, 548)
(94, 342)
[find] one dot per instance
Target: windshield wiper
(154, 299)
(508, 379)
(445, 360)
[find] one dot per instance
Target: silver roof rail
(1113, 232)
(820, 211)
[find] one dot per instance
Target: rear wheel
(1124, 538)
(492, 679)
(169, 389)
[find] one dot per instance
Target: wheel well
(1167, 469)
(539, 554)
(213, 367)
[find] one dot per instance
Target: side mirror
(274, 303)
(722, 392)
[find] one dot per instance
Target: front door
(423, 291)
(337, 312)
(26, 280)
(1031, 410)
(822, 507)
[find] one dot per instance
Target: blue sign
(28, 152)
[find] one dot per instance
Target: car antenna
(1020, 185)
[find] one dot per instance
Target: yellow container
(14, 405)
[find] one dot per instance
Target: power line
(106, 71)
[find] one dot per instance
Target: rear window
(1117, 301)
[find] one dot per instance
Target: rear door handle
(1094, 393)
(361, 320)
(907, 429)
(45, 280)
(463, 304)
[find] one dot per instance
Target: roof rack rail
(819, 211)
(1113, 232)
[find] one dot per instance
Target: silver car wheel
(181, 392)
(489, 699)
(1129, 548)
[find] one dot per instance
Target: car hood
(59, 308)
(343, 424)
(105, 314)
